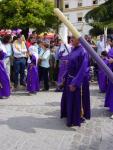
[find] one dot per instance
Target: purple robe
(4, 79)
(109, 93)
(71, 102)
(86, 94)
(32, 76)
(62, 68)
(102, 78)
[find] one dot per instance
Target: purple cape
(109, 93)
(32, 76)
(102, 78)
(4, 80)
(62, 68)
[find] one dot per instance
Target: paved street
(33, 123)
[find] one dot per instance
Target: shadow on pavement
(53, 113)
(100, 112)
(95, 92)
(28, 124)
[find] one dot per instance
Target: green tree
(101, 17)
(27, 14)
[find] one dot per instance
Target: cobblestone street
(33, 123)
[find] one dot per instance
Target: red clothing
(28, 44)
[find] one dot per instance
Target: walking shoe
(15, 86)
(111, 117)
(45, 90)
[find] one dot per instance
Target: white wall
(72, 15)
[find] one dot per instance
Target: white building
(75, 10)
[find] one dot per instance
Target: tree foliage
(27, 14)
(101, 16)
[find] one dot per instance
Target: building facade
(75, 10)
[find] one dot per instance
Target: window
(95, 2)
(66, 5)
(80, 3)
(80, 17)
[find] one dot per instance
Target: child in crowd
(102, 78)
(32, 76)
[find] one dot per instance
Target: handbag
(40, 59)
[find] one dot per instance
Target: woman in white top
(44, 65)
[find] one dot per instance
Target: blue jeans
(19, 68)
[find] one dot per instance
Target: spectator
(100, 45)
(7, 48)
(44, 65)
(20, 50)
